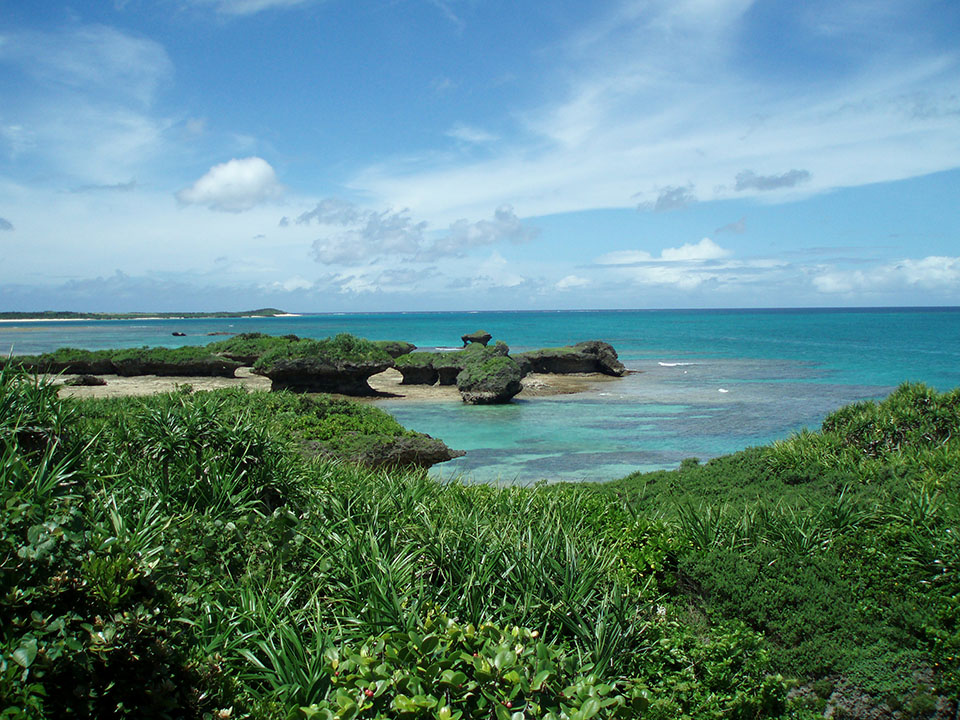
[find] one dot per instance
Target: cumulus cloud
(706, 249)
(234, 186)
(362, 235)
(928, 273)
(369, 235)
(749, 180)
(5, 224)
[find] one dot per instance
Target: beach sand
(386, 383)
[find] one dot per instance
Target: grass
(180, 557)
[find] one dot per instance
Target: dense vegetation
(180, 557)
(187, 360)
(340, 348)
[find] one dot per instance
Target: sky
(405, 155)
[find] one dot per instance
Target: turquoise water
(781, 370)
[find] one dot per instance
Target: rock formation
(494, 379)
(396, 348)
(479, 336)
(336, 365)
(584, 357)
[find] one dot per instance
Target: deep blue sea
(710, 381)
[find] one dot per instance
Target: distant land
(70, 315)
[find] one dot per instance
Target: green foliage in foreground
(340, 348)
(175, 560)
(842, 547)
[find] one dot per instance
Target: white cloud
(234, 186)
(496, 271)
(87, 111)
(702, 251)
(251, 7)
(929, 273)
(293, 283)
(505, 225)
(689, 266)
(658, 95)
(470, 134)
(94, 59)
(706, 249)
(570, 282)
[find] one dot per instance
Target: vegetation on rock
(249, 347)
(340, 364)
(494, 379)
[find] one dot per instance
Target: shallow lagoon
(781, 370)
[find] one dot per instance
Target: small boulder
(479, 336)
(179, 334)
(85, 381)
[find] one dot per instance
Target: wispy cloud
(251, 7)
(88, 111)
(670, 198)
(929, 273)
(128, 186)
(657, 94)
(469, 134)
(739, 227)
(749, 180)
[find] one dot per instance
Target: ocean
(709, 382)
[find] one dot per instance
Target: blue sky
(323, 155)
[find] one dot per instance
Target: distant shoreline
(16, 317)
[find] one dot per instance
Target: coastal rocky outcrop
(336, 365)
(417, 368)
(134, 364)
(169, 362)
(478, 336)
(396, 348)
(589, 356)
(450, 364)
(494, 379)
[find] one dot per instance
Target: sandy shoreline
(146, 317)
(387, 383)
